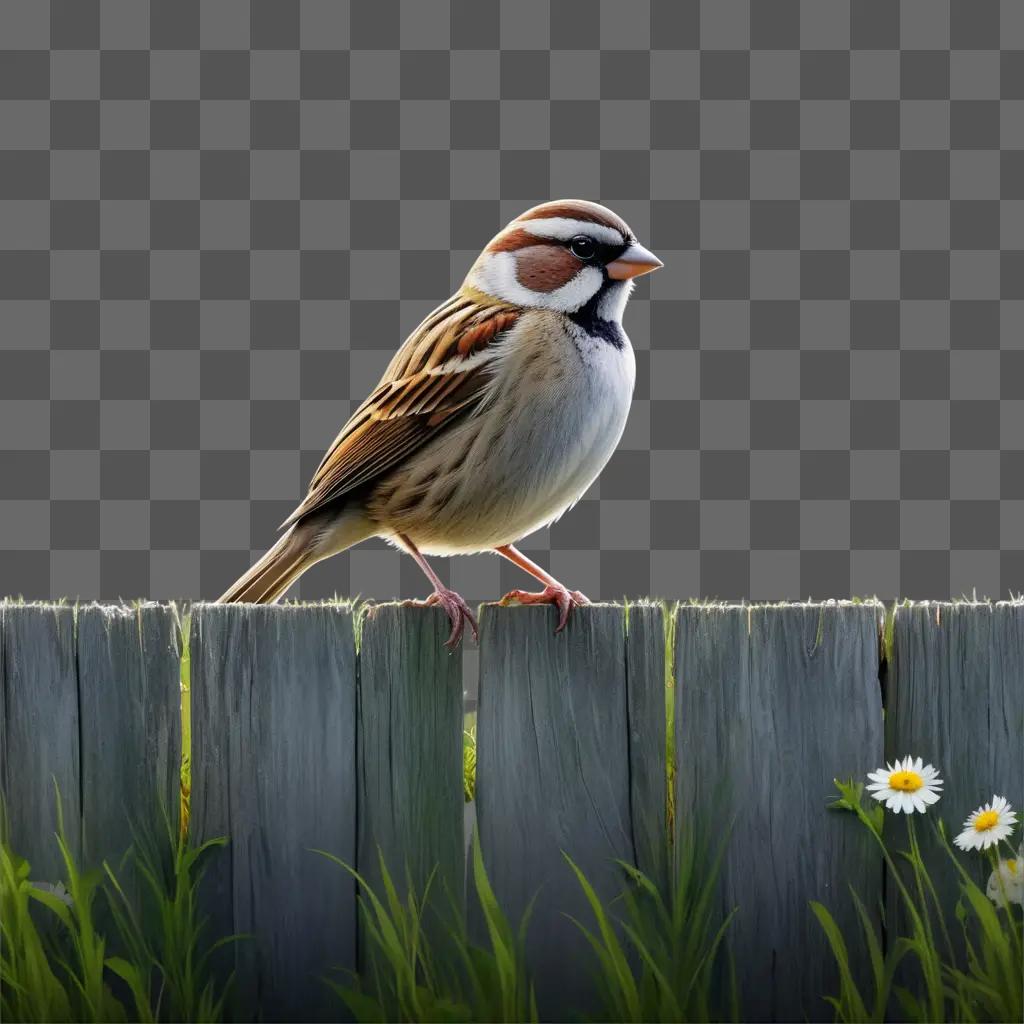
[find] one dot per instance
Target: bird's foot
(458, 611)
(563, 599)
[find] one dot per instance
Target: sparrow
(492, 419)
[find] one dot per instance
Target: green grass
(110, 945)
(469, 757)
(186, 723)
(982, 980)
(654, 957)
(662, 957)
(421, 964)
(130, 943)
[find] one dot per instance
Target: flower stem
(918, 859)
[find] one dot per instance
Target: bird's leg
(458, 611)
(553, 593)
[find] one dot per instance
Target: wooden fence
(305, 735)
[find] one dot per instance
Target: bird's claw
(561, 597)
(458, 611)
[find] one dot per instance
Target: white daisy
(1006, 883)
(987, 825)
(906, 786)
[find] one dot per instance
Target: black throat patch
(587, 319)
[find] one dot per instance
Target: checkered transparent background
(218, 220)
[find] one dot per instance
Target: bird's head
(562, 255)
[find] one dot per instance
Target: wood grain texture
(956, 698)
(410, 721)
(645, 690)
(129, 664)
(553, 775)
(40, 730)
(773, 703)
(274, 768)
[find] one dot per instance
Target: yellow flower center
(907, 781)
(1012, 865)
(986, 820)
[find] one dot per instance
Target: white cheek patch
(565, 228)
(495, 274)
(613, 302)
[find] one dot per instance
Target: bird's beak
(636, 260)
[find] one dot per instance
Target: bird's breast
(557, 409)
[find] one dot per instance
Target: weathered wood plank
(40, 731)
(956, 698)
(646, 694)
(274, 768)
(553, 775)
(773, 703)
(410, 721)
(129, 661)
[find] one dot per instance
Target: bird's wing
(442, 369)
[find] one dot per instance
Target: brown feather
(512, 239)
(411, 403)
(578, 209)
(484, 330)
(275, 572)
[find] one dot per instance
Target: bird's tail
(269, 579)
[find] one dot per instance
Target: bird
(493, 418)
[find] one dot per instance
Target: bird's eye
(583, 248)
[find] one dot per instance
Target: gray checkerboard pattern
(218, 220)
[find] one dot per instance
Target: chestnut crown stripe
(511, 239)
(559, 221)
(578, 209)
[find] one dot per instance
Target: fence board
(129, 664)
(571, 740)
(775, 702)
(410, 719)
(645, 690)
(274, 768)
(40, 730)
(956, 699)
(553, 774)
